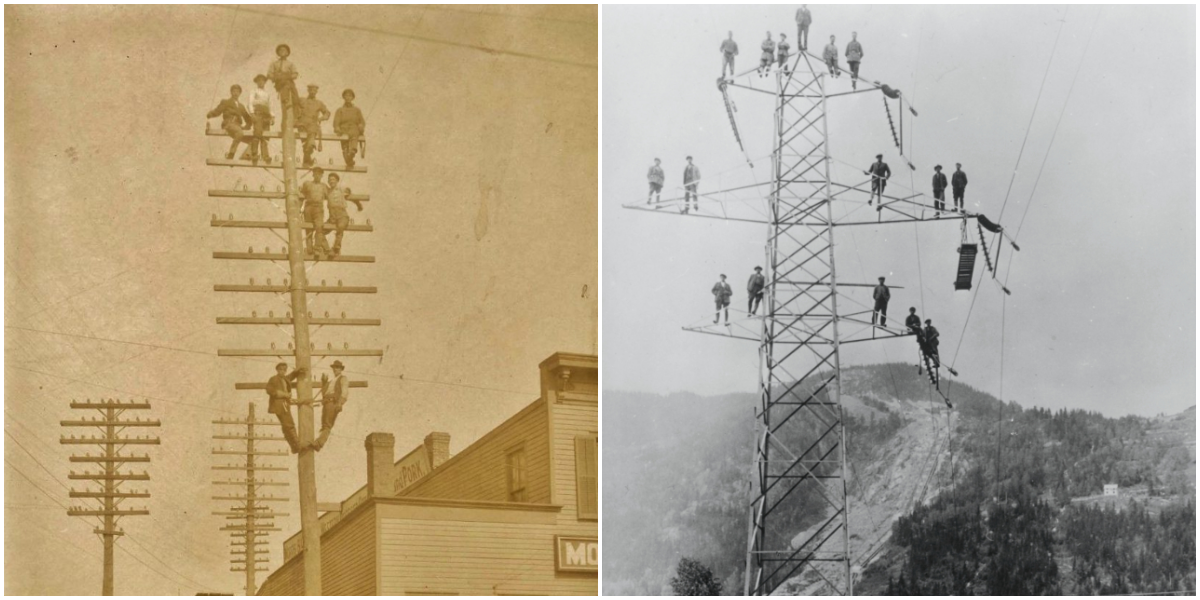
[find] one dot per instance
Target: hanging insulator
(272, 345)
(322, 282)
(345, 346)
(339, 283)
(254, 314)
(262, 188)
(271, 314)
(245, 188)
(250, 250)
(251, 281)
(230, 216)
(290, 346)
(343, 314)
(268, 281)
(289, 314)
(329, 346)
(214, 216)
(326, 314)
(368, 222)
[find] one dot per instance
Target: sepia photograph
(899, 300)
(335, 330)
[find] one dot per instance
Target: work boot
(229, 155)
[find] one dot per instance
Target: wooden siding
(479, 472)
(348, 561)
(465, 552)
(571, 419)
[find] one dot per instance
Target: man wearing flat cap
(284, 74)
(879, 173)
(349, 121)
(334, 399)
(312, 113)
(754, 288)
(721, 294)
(315, 194)
(939, 190)
(691, 181)
(881, 295)
(260, 112)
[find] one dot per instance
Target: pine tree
(694, 579)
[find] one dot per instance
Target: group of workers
(333, 399)
(778, 52)
(691, 184)
(316, 195)
(880, 172)
(309, 113)
(722, 293)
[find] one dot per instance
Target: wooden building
(515, 513)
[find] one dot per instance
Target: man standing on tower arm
(656, 178)
(349, 122)
(879, 173)
(721, 294)
(729, 50)
(754, 288)
(882, 295)
(939, 191)
(312, 113)
(959, 183)
(854, 55)
(691, 182)
(831, 56)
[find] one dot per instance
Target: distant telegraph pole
(296, 289)
(109, 495)
(251, 514)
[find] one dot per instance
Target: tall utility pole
(296, 290)
(110, 496)
(251, 515)
(800, 463)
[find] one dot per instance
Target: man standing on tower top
(803, 20)
(284, 74)
(349, 122)
(831, 57)
(783, 48)
(768, 56)
(729, 50)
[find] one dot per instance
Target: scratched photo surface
(481, 125)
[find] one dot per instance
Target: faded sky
(1102, 315)
(482, 157)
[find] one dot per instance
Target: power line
(403, 51)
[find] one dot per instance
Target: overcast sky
(481, 126)
(1102, 312)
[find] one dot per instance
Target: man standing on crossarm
(939, 191)
(854, 54)
(831, 57)
(959, 183)
(729, 50)
(754, 288)
(882, 295)
(879, 173)
(279, 392)
(315, 194)
(260, 111)
(339, 219)
(656, 177)
(721, 294)
(349, 122)
(312, 113)
(333, 399)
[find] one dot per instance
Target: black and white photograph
(899, 300)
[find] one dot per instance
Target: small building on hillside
(1110, 489)
(515, 513)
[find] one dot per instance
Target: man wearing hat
(349, 122)
(234, 118)
(958, 182)
(939, 190)
(754, 288)
(931, 343)
(691, 182)
(339, 219)
(260, 111)
(315, 194)
(333, 401)
(882, 295)
(284, 74)
(656, 178)
(312, 112)
(879, 173)
(279, 392)
(722, 293)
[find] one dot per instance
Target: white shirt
(260, 97)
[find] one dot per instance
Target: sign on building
(577, 554)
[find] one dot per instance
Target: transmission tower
(800, 467)
(109, 495)
(251, 517)
(295, 293)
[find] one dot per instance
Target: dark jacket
(879, 170)
(231, 110)
(913, 322)
(939, 182)
(280, 388)
(756, 284)
(722, 291)
(931, 337)
(882, 293)
(959, 180)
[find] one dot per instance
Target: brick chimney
(381, 456)
(437, 444)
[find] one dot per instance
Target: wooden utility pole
(251, 515)
(110, 495)
(297, 289)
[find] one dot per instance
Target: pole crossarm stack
(108, 494)
(249, 517)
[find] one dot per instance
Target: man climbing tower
(879, 173)
(656, 178)
(312, 113)
(959, 184)
(854, 54)
(913, 322)
(881, 295)
(931, 343)
(279, 392)
(939, 191)
(349, 122)
(691, 183)
(831, 57)
(234, 118)
(721, 294)
(315, 194)
(332, 402)
(754, 288)
(768, 56)
(803, 20)
(284, 74)
(729, 51)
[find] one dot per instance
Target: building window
(517, 474)
(586, 480)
